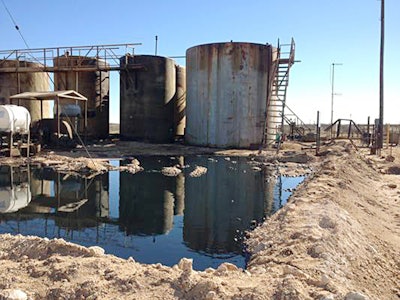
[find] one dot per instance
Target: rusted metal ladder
(276, 101)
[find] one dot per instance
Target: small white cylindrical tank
(14, 119)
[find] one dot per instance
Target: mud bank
(338, 238)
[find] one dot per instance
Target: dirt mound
(328, 243)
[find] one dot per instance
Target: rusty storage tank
(95, 85)
(147, 98)
(180, 102)
(227, 88)
(15, 83)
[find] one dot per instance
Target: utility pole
(381, 64)
(333, 92)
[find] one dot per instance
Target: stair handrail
(298, 118)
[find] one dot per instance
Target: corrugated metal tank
(147, 98)
(13, 83)
(180, 101)
(227, 87)
(95, 85)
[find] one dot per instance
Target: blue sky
(341, 31)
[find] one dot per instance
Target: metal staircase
(277, 97)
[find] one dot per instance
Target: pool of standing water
(148, 216)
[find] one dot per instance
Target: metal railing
(109, 55)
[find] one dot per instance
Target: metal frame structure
(110, 54)
(35, 60)
(56, 96)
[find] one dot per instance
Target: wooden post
(387, 134)
(338, 128)
(349, 132)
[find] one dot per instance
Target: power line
(15, 23)
(20, 33)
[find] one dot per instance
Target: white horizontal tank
(14, 119)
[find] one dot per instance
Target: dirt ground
(337, 238)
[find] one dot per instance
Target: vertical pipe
(333, 92)
(156, 45)
(332, 95)
(380, 127)
(368, 129)
(86, 108)
(44, 58)
(318, 136)
(11, 143)
(58, 119)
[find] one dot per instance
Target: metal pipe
(318, 136)
(156, 44)
(58, 120)
(333, 92)
(381, 65)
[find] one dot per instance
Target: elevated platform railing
(109, 55)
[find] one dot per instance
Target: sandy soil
(338, 238)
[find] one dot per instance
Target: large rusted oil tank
(15, 83)
(227, 88)
(147, 99)
(95, 85)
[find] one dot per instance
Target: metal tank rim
(225, 43)
(146, 55)
(5, 61)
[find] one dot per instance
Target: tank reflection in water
(149, 216)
